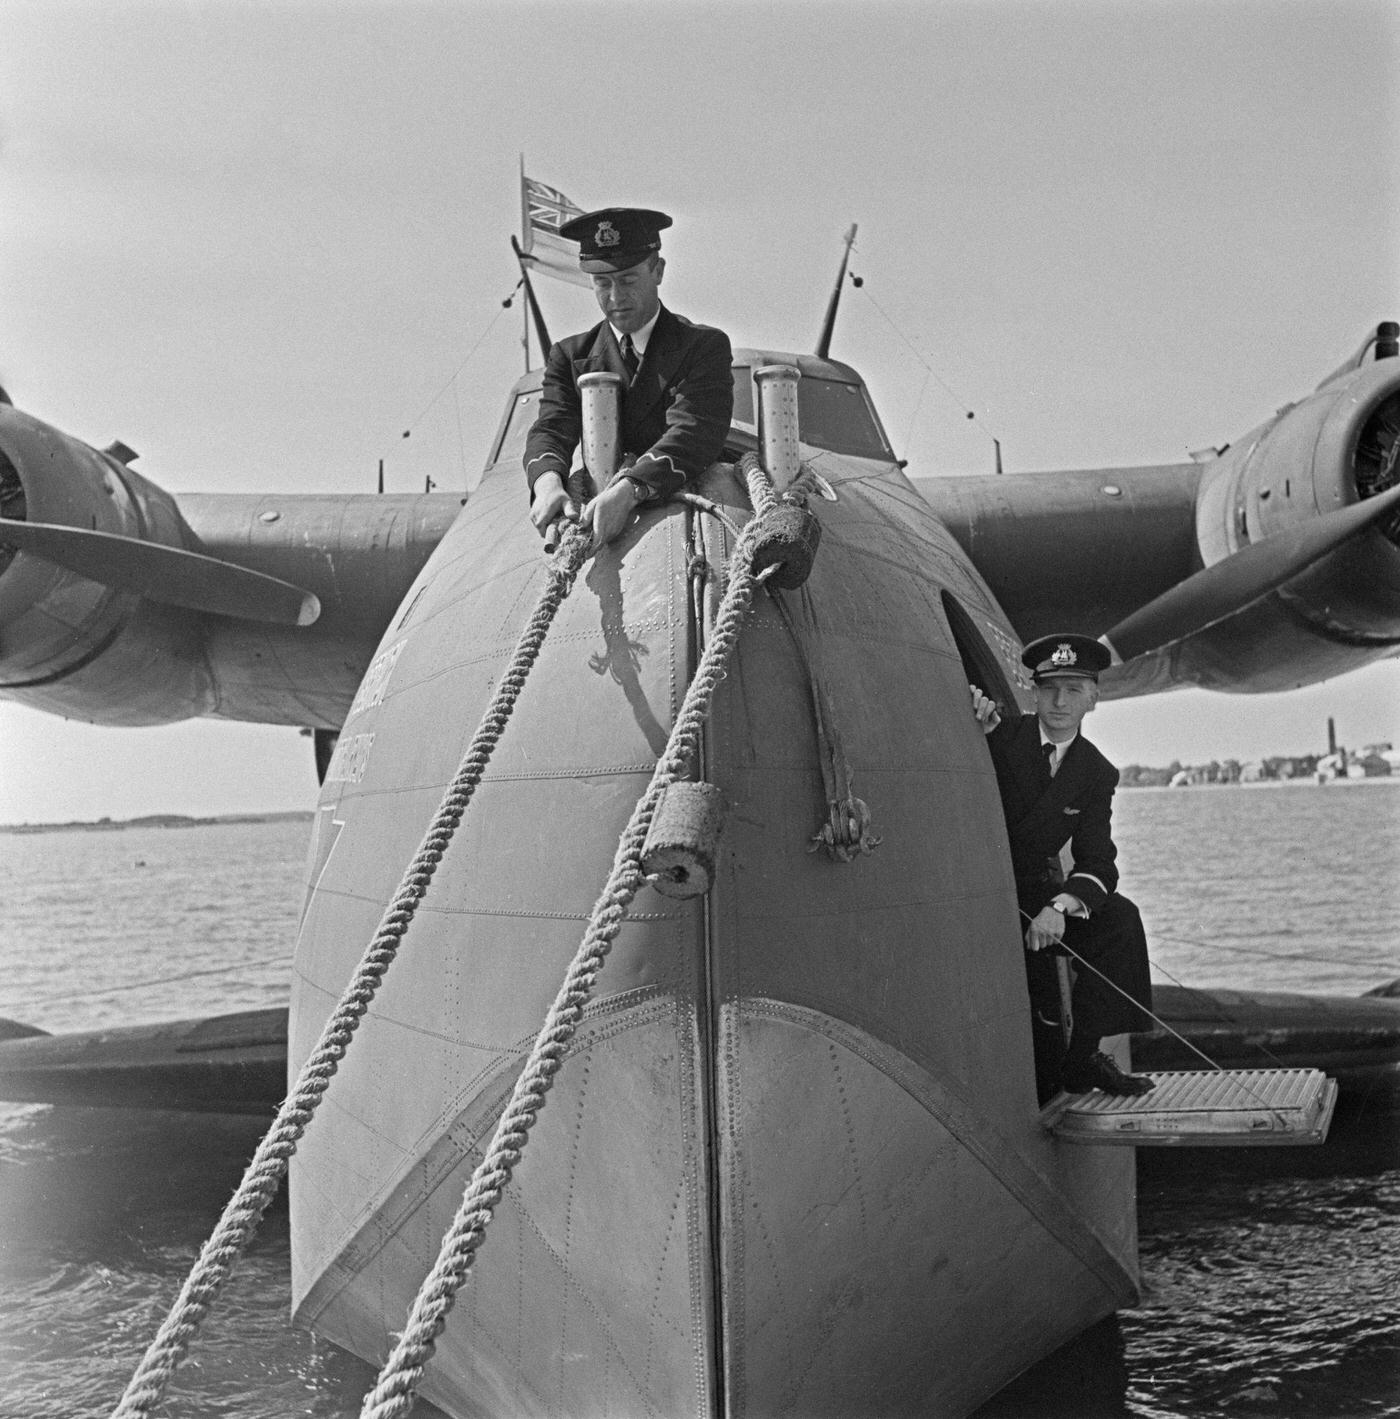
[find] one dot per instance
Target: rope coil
(264, 1173)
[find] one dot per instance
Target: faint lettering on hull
(376, 681)
(351, 755)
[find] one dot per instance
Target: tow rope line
(1221, 1013)
(264, 1173)
(1156, 1019)
(100, 991)
(1175, 939)
(393, 1393)
(1070, 951)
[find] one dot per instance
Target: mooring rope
(1174, 938)
(99, 991)
(1156, 1019)
(1061, 944)
(393, 1394)
(759, 485)
(1254, 1094)
(1220, 1012)
(846, 831)
(264, 1174)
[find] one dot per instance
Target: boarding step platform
(1228, 1108)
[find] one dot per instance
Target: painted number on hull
(376, 681)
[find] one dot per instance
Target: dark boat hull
(237, 1063)
(233, 1064)
(1354, 1040)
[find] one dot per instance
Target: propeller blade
(1242, 579)
(167, 574)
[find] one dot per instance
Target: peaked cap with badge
(615, 238)
(676, 407)
(1057, 657)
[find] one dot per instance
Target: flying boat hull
(793, 1162)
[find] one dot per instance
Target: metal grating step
(1229, 1108)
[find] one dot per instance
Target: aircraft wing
(1272, 564)
(121, 604)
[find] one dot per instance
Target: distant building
(1375, 761)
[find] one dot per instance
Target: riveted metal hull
(792, 1163)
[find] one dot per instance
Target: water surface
(1270, 1276)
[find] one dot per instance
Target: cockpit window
(743, 398)
(522, 415)
(832, 414)
(839, 417)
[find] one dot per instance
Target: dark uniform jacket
(675, 413)
(1076, 808)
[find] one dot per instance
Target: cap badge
(606, 235)
(1064, 655)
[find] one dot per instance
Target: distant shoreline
(159, 820)
(305, 815)
(1301, 782)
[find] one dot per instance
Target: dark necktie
(1047, 759)
(630, 357)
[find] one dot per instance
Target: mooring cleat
(1101, 1072)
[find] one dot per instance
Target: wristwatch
(641, 492)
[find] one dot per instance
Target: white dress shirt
(1057, 758)
(639, 337)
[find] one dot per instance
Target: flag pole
(525, 236)
(532, 305)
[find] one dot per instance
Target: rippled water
(1270, 1276)
(1284, 887)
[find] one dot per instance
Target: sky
(259, 242)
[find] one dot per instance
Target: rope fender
(264, 1173)
(393, 1394)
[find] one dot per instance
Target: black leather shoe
(1100, 1072)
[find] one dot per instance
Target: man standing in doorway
(1057, 788)
(677, 391)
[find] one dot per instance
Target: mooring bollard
(777, 423)
(601, 393)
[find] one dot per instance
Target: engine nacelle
(68, 642)
(1334, 448)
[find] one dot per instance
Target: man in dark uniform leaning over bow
(678, 386)
(1057, 788)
